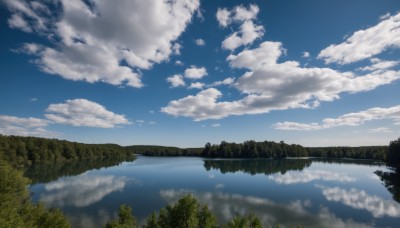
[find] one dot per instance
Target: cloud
(176, 80)
(350, 119)
(247, 34)
(226, 206)
(380, 130)
(226, 81)
(379, 65)
(365, 43)
(195, 72)
(248, 31)
(82, 112)
(237, 14)
(200, 42)
(82, 190)
(306, 176)
(223, 17)
(359, 199)
(306, 54)
(269, 85)
(92, 42)
(179, 63)
(196, 85)
(11, 125)
(216, 125)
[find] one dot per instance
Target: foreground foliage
(186, 213)
(16, 208)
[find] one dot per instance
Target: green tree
(393, 156)
(125, 219)
(16, 208)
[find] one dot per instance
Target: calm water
(313, 193)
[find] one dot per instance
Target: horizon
(189, 72)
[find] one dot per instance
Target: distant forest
(266, 149)
(18, 150)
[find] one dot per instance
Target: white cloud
(11, 125)
(237, 14)
(359, 199)
(248, 31)
(195, 72)
(379, 65)
(33, 99)
(82, 190)
(178, 63)
(306, 54)
(365, 43)
(200, 42)
(269, 85)
(247, 34)
(82, 112)
(305, 176)
(385, 16)
(94, 41)
(226, 81)
(350, 119)
(177, 48)
(216, 125)
(176, 80)
(196, 85)
(380, 130)
(223, 17)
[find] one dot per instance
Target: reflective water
(288, 192)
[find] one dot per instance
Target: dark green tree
(393, 156)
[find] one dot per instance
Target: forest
(18, 150)
(265, 149)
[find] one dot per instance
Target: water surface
(288, 192)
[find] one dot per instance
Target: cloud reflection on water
(291, 214)
(82, 190)
(359, 199)
(305, 176)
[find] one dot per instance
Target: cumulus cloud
(379, 65)
(196, 85)
(306, 176)
(93, 39)
(237, 14)
(365, 43)
(82, 112)
(226, 81)
(359, 199)
(248, 31)
(200, 42)
(270, 85)
(82, 190)
(350, 119)
(195, 72)
(12, 125)
(176, 80)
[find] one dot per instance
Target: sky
(187, 72)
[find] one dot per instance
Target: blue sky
(183, 73)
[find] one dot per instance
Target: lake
(288, 192)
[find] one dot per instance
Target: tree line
(18, 150)
(265, 149)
